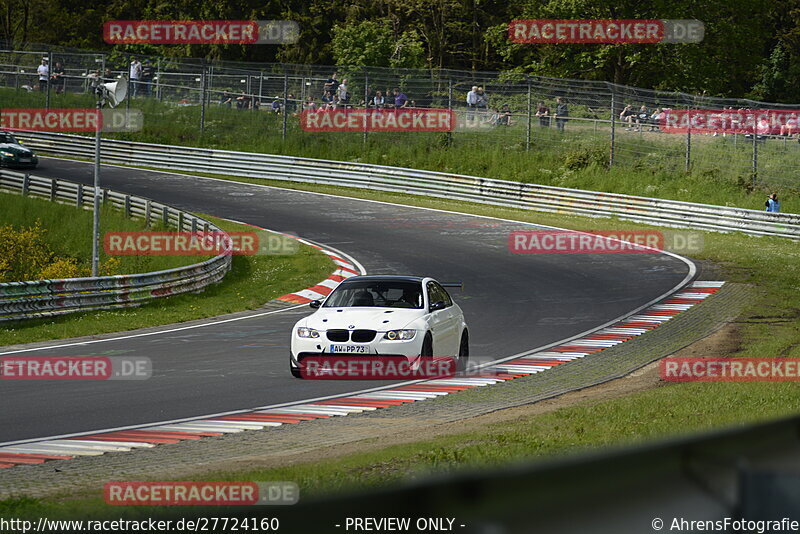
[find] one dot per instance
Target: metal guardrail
(44, 298)
(654, 211)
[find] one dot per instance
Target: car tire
(463, 352)
(426, 352)
(294, 370)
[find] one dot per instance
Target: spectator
(136, 75)
(148, 74)
(58, 78)
(472, 104)
(291, 104)
(44, 74)
(400, 99)
(243, 101)
(108, 76)
(657, 118)
(277, 104)
(772, 203)
(641, 117)
(504, 116)
(627, 115)
(543, 112)
(483, 101)
(226, 99)
(378, 101)
(309, 104)
(791, 126)
(342, 94)
(562, 112)
(328, 100)
(331, 84)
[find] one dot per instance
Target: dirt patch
(724, 341)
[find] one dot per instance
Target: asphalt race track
(512, 303)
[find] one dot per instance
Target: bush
(25, 255)
(582, 157)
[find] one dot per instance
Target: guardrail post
(148, 207)
(613, 127)
(26, 184)
(127, 206)
(79, 197)
(53, 190)
(105, 196)
(206, 228)
(180, 221)
(194, 225)
(530, 110)
(165, 215)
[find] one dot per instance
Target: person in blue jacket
(772, 203)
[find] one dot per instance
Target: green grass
(648, 164)
(252, 281)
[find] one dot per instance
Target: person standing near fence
(562, 112)
(772, 203)
(58, 78)
(472, 103)
(44, 74)
(136, 75)
(543, 112)
(148, 73)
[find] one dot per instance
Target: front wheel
(463, 352)
(427, 347)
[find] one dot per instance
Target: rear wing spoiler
(459, 285)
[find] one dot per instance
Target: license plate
(24, 160)
(349, 349)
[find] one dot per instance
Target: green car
(13, 154)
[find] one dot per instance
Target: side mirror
(315, 304)
(440, 305)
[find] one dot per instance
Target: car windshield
(7, 138)
(376, 293)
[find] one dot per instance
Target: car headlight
(7, 154)
(401, 335)
(307, 332)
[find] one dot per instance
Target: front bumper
(377, 347)
(15, 162)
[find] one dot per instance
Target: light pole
(111, 94)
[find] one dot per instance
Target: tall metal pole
(450, 108)
(96, 208)
(689, 147)
(285, 101)
(203, 98)
(530, 110)
(49, 78)
(613, 127)
(366, 104)
(755, 154)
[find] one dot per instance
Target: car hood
(16, 149)
(380, 319)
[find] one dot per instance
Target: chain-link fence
(594, 122)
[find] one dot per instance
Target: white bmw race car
(406, 316)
